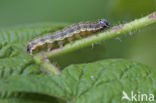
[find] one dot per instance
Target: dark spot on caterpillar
(28, 48)
(60, 38)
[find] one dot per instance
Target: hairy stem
(45, 64)
(112, 32)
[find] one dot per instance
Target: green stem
(46, 65)
(112, 32)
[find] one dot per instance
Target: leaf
(98, 82)
(29, 98)
(14, 60)
(13, 56)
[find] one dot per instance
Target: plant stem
(45, 64)
(112, 32)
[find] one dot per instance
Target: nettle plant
(23, 79)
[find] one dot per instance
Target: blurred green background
(139, 45)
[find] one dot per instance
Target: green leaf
(30, 98)
(14, 58)
(100, 82)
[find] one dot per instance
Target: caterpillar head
(103, 23)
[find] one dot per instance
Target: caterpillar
(59, 38)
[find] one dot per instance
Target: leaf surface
(101, 82)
